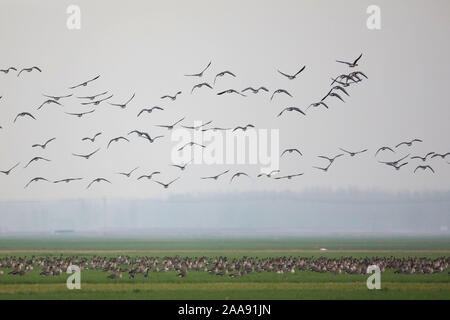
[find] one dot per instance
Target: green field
(201, 285)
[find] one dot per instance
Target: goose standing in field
(223, 73)
(97, 180)
(123, 105)
(84, 84)
(93, 138)
(424, 168)
(289, 109)
(29, 70)
(408, 143)
(200, 74)
(278, 91)
(115, 276)
(351, 64)
(43, 146)
(127, 174)
(383, 149)
(149, 110)
(117, 139)
(174, 97)
(353, 153)
(23, 114)
(7, 172)
(36, 159)
(268, 175)
(67, 180)
(255, 91)
(35, 180)
(292, 77)
(290, 151)
(148, 176)
(86, 156)
(166, 185)
(200, 85)
(424, 158)
(238, 174)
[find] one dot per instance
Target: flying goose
(280, 91)
(395, 163)
(93, 138)
(334, 94)
(290, 151)
(216, 176)
(171, 97)
(324, 169)
(36, 159)
(181, 167)
(67, 180)
(23, 114)
(408, 143)
(123, 105)
(29, 70)
(93, 96)
(317, 104)
(203, 84)
(197, 127)
(57, 98)
(244, 128)
(191, 144)
(7, 172)
(150, 110)
(128, 174)
(424, 168)
(97, 102)
(86, 156)
(35, 180)
(170, 127)
(166, 185)
(293, 76)
(84, 84)
(81, 114)
(145, 135)
(331, 160)
(289, 177)
(117, 140)
(221, 74)
(43, 146)
(238, 174)
(337, 80)
(335, 88)
(230, 91)
(353, 153)
(255, 91)
(382, 149)
(424, 158)
(5, 71)
(351, 64)
(148, 176)
(48, 102)
(442, 156)
(216, 129)
(97, 180)
(200, 74)
(398, 166)
(291, 109)
(268, 175)
(355, 74)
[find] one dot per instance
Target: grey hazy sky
(147, 46)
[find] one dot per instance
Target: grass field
(200, 285)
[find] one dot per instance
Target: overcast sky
(146, 47)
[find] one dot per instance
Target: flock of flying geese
(339, 86)
(217, 266)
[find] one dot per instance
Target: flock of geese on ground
(219, 266)
(339, 88)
